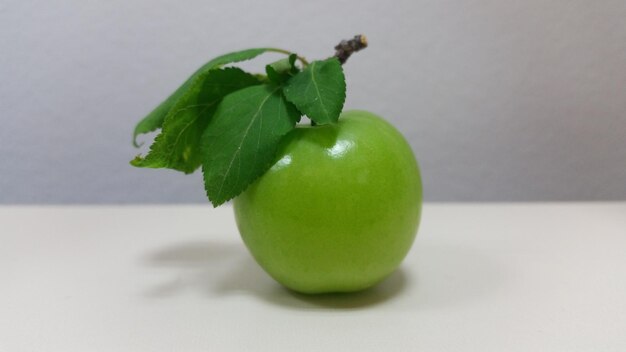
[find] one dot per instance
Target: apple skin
(340, 208)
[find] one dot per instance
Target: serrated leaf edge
(318, 93)
(216, 62)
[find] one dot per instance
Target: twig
(347, 47)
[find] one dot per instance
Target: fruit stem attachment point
(347, 47)
(287, 52)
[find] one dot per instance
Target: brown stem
(347, 47)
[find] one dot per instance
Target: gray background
(501, 100)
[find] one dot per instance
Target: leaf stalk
(304, 62)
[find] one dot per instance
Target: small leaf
(177, 146)
(156, 118)
(281, 70)
(241, 142)
(275, 76)
(319, 91)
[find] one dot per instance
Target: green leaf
(177, 146)
(281, 70)
(156, 118)
(319, 91)
(236, 56)
(241, 142)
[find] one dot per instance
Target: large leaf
(241, 142)
(177, 146)
(155, 119)
(319, 91)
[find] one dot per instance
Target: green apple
(339, 209)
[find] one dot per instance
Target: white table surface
(495, 277)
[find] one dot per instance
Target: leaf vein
(245, 134)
